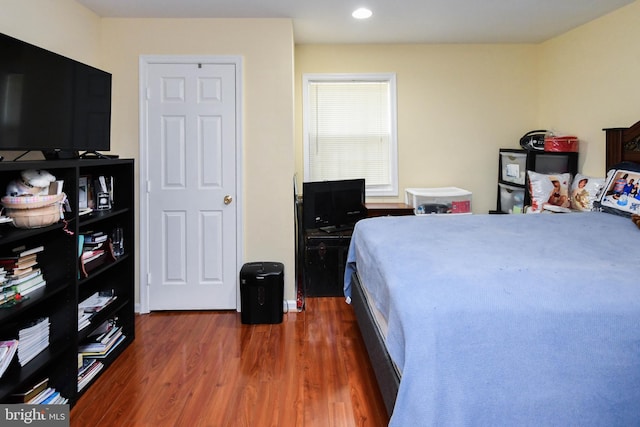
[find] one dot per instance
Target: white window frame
(372, 190)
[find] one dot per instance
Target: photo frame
(622, 191)
(83, 192)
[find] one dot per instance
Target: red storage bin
(561, 144)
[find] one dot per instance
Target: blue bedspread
(507, 320)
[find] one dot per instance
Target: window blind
(349, 131)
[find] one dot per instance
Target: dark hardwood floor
(208, 369)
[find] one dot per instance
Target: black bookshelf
(66, 282)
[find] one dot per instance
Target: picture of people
(549, 190)
(558, 195)
(584, 191)
(622, 191)
(580, 196)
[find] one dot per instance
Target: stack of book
(84, 319)
(32, 340)
(41, 393)
(88, 370)
(98, 345)
(93, 246)
(20, 274)
(96, 302)
(7, 351)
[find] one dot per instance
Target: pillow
(621, 193)
(584, 191)
(548, 188)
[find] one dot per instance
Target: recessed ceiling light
(362, 13)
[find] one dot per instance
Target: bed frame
(622, 144)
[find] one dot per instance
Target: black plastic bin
(262, 292)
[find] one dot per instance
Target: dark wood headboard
(623, 144)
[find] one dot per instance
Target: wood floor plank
(209, 369)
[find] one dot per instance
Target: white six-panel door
(191, 212)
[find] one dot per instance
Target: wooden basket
(36, 217)
(31, 202)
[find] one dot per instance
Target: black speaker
(261, 292)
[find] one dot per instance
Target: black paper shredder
(261, 292)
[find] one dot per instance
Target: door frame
(144, 62)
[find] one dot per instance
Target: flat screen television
(51, 103)
(333, 205)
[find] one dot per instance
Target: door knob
(227, 199)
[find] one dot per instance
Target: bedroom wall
(266, 46)
(62, 26)
(267, 50)
(589, 80)
(457, 105)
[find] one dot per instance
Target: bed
(503, 319)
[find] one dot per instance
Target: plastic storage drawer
(511, 199)
(514, 167)
(451, 200)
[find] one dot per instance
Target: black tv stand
(325, 256)
(60, 154)
(97, 155)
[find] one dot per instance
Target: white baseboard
(287, 306)
(290, 306)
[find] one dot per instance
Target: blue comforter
(509, 320)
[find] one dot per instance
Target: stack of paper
(7, 351)
(32, 340)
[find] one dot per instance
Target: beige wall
(267, 50)
(62, 26)
(590, 80)
(266, 47)
(457, 105)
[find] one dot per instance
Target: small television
(333, 205)
(51, 103)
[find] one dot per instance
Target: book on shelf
(26, 396)
(99, 342)
(21, 269)
(16, 280)
(91, 255)
(22, 251)
(48, 396)
(84, 319)
(35, 283)
(99, 350)
(94, 237)
(10, 264)
(53, 399)
(15, 288)
(89, 369)
(97, 301)
(7, 352)
(39, 394)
